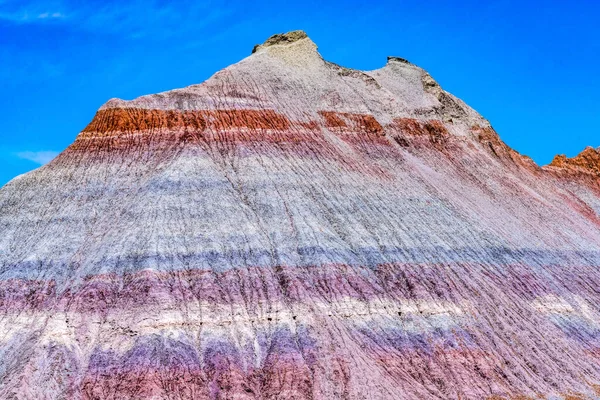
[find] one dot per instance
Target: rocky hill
(294, 229)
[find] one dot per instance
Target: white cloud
(132, 18)
(24, 17)
(49, 15)
(38, 157)
(32, 11)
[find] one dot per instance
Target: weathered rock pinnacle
(398, 60)
(588, 161)
(282, 38)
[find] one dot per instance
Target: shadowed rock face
(293, 229)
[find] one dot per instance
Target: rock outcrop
(588, 161)
(294, 229)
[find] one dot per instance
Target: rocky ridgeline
(294, 229)
(588, 161)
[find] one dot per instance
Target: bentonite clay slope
(293, 229)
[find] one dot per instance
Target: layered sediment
(293, 229)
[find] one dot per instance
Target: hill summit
(295, 229)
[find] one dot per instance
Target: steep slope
(294, 229)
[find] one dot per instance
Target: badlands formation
(294, 229)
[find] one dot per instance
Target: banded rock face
(293, 229)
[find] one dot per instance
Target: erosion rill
(293, 229)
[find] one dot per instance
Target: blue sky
(530, 67)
